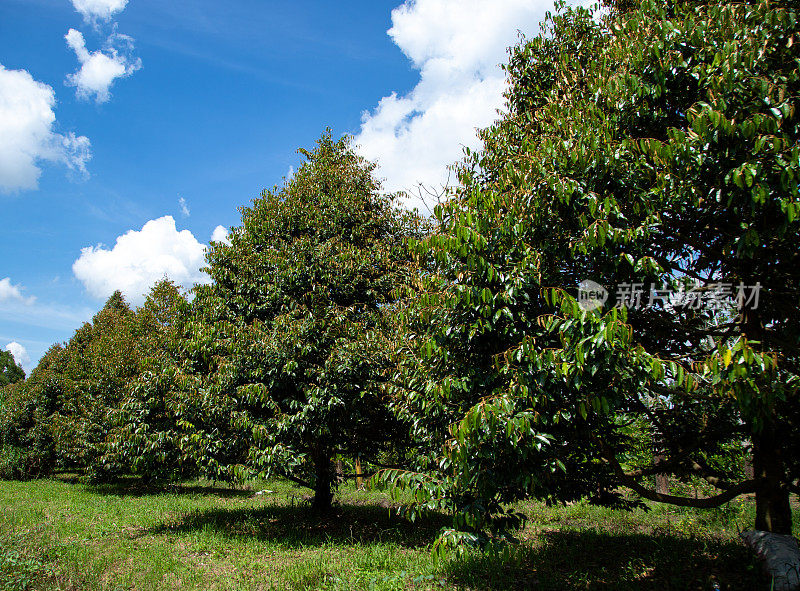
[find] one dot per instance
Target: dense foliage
(10, 371)
(655, 152)
(286, 349)
(141, 438)
(61, 416)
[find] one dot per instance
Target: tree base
(780, 556)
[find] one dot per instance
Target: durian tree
(654, 151)
(290, 343)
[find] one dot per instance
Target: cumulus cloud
(139, 259)
(27, 134)
(94, 10)
(220, 234)
(19, 353)
(184, 207)
(457, 46)
(100, 68)
(10, 292)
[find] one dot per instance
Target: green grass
(60, 535)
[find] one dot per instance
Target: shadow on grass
(295, 526)
(599, 560)
(134, 487)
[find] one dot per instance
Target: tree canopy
(291, 340)
(653, 151)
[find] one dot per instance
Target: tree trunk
(359, 479)
(749, 472)
(662, 480)
(339, 471)
(323, 485)
(773, 513)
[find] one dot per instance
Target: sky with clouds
(132, 130)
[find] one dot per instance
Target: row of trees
(276, 368)
(68, 414)
(656, 145)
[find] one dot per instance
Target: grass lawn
(60, 535)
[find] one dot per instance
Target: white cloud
(93, 10)
(9, 292)
(27, 136)
(139, 259)
(458, 46)
(184, 207)
(20, 354)
(44, 315)
(100, 68)
(220, 234)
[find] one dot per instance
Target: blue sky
(132, 130)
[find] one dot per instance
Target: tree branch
(299, 481)
(703, 503)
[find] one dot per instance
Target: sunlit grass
(60, 535)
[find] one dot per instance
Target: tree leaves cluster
(655, 146)
(10, 371)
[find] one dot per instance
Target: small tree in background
(26, 441)
(10, 371)
(100, 360)
(143, 433)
